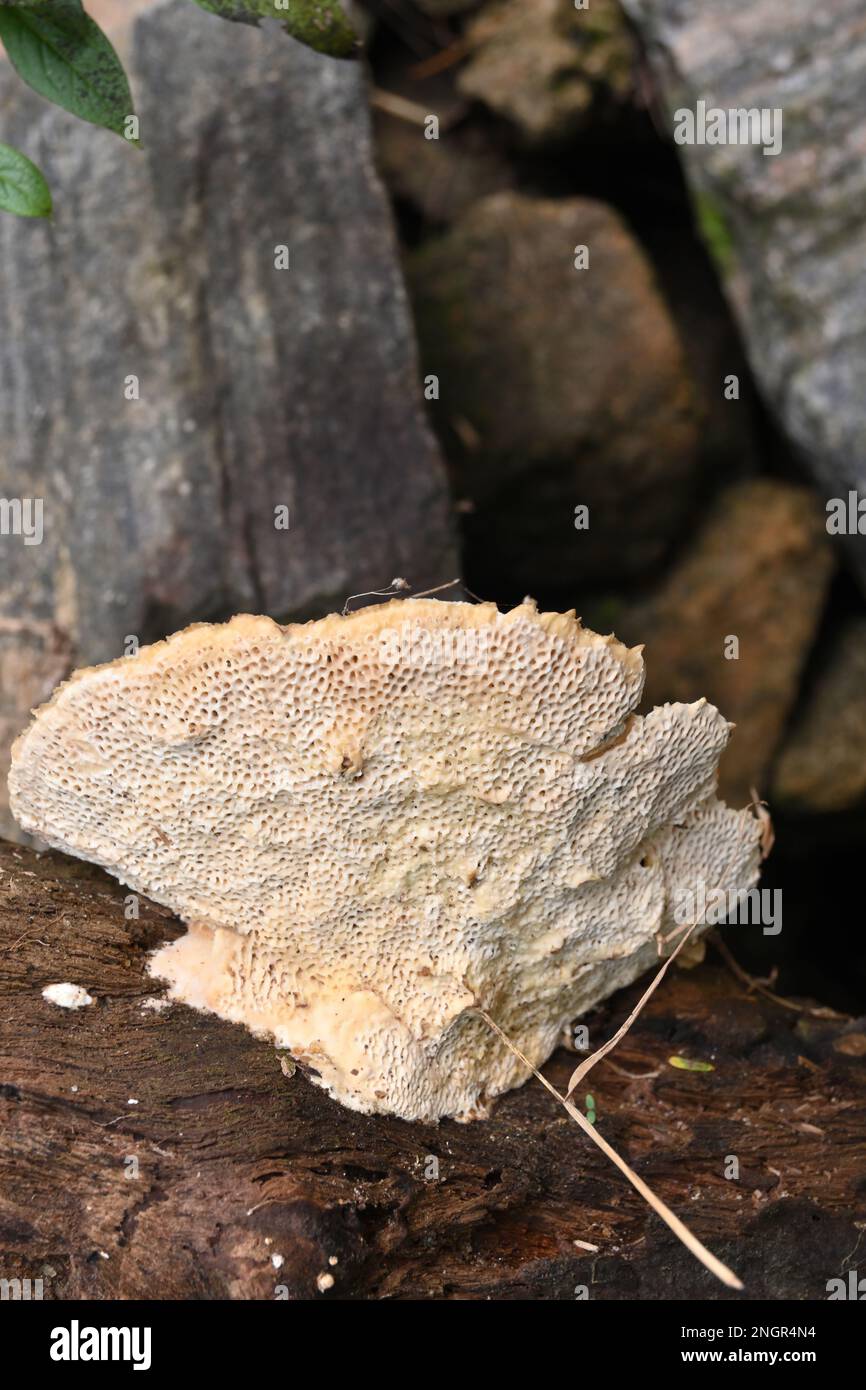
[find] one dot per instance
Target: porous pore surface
(373, 823)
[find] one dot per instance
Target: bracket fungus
(376, 825)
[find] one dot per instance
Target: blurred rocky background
(442, 385)
(700, 387)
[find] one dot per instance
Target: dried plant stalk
(679, 1228)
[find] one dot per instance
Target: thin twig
(406, 110)
(634, 1075)
(581, 1071)
(35, 939)
(425, 593)
(691, 1242)
(814, 1011)
(439, 62)
(401, 107)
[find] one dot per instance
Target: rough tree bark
(254, 1184)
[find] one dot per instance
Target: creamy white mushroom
(373, 824)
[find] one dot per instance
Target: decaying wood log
(158, 1152)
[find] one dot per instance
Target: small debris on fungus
(511, 835)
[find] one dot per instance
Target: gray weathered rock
(822, 765)
(559, 387)
(788, 230)
(259, 387)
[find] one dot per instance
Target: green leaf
(685, 1064)
(64, 56)
(320, 24)
(23, 189)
